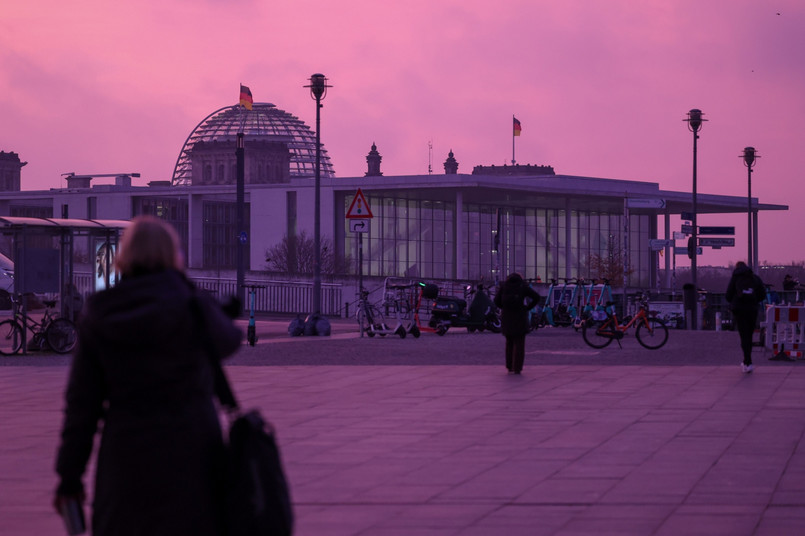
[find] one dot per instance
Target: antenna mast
(430, 157)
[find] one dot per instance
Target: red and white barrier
(785, 330)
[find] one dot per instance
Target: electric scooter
(451, 311)
(251, 331)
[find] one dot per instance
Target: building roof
(265, 121)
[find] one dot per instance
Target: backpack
(745, 290)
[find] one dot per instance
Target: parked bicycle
(603, 327)
(52, 332)
(371, 321)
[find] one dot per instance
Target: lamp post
(318, 90)
(694, 121)
(749, 157)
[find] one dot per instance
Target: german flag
(246, 97)
(517, 127)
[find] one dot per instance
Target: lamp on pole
(694, 121)
(749, 157)
(318, 90)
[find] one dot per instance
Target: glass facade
(171, 209)
(407, 238)
(416, 238)
(220, 234)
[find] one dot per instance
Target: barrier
(785, 330)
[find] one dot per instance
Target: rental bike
(603, 327)
(54, 332)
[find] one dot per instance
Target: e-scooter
(251, 331)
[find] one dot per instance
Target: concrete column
(568, 236)
(195, 231)
(458, 233)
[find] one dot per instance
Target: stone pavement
(468, 450)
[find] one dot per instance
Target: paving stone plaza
(430, 436)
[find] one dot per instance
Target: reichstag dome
(279, 146)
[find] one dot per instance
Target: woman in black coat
(515, 298)
(744, 293)
(141, 369)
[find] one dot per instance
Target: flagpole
(513, 160)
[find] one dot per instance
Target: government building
(470, 224)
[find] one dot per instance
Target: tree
(296, 255)
(608, 265)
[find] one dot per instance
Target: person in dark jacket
(745, 291)
(140, 368)
(515, 298)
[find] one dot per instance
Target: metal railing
(276, 296)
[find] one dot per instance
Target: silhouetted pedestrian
(140, 368)
(515, 298)
(745, 291)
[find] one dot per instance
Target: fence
(276, 296)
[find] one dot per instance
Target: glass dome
(264, 121)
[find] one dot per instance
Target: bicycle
(54, 332)
(603, 327)
(370, 319)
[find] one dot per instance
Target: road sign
(680, 236)
(716, 230)
(687, 229)
(687, 216)
(640, 202)
(717, 242)
(243, 237)
(359, 208)
(683, 250)
(359, 226)
(657, 244)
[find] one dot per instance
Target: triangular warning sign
(359, 208)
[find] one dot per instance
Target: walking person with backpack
(515, 298)
(745, 291)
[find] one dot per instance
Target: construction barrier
(785, 329)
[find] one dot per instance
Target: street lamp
(318, 90)
(749, 157)
(694, 121)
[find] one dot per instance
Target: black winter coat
(515, 299)
(745, 303)
(140, 368)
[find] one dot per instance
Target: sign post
(359, 215)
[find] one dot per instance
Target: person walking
(140, 369)
(515, 298)
(745, 291)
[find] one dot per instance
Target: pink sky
(601, 88)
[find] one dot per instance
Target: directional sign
(687, 229)
(640, 202)
(717, 242)
(359, 226)
(359, 208)
(657, 244)
(687, 216)
(716, 230)
(683, 250)
(680, 236)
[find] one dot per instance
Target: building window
(170, 209)
(220, 234)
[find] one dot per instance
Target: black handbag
(258, 498)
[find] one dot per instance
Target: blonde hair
(149, 245)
